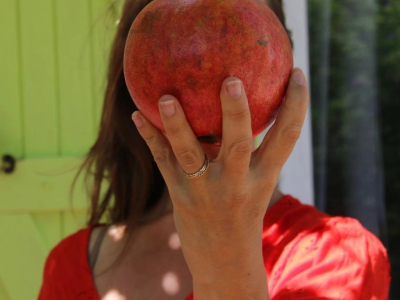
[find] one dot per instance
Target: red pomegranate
(187, 48)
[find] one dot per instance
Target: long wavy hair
(120, 159)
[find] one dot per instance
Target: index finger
(282, 137)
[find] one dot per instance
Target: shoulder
(70, 247)
(323, 256)
(342, 241)
(66, 266)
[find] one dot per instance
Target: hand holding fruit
(219, 215)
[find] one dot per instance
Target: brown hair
(120, 156)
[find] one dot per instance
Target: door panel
(72, 221)
(103, 19)
(11, 136)
(40, 100)
(75, 78)
(41, 185)
(22, 255)
(50, 234)
(3, 293)
(53, 81)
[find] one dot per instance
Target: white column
(297, 174)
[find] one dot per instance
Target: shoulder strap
(96, 248)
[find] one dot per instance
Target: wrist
(243, 279)
(241, 285)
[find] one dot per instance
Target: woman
(193, 220)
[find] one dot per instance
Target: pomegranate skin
(187, 48)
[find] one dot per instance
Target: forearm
(240, 275)
(250, 287)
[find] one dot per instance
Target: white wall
(297, 174)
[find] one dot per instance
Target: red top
(308, 255)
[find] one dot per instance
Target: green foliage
(355, 64)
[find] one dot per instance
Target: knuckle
(241, 148)
(239, 115)
(238, 198)
(161, 156)
(188, 157)
(291, 133)
(297, 103)
(270, 184)
(175, 130)
(151, 139)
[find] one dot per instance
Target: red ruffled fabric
(308, 255)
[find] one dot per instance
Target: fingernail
(298, 76)
(168, 107)
(137, 120)
(234, 89)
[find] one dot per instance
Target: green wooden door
(53, 55)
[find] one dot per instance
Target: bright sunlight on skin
(114, 295)
(170, 282)
(116, 234)
(174, 241)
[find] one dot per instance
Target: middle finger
(237, 137)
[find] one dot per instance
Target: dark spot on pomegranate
(200, 25)
(224, 30)
(192, 83)
(262, 43)
(134, 31)
(149, 20)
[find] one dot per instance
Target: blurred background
(53, 58)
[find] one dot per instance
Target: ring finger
(184, 143)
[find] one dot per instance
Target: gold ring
(200, 172)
